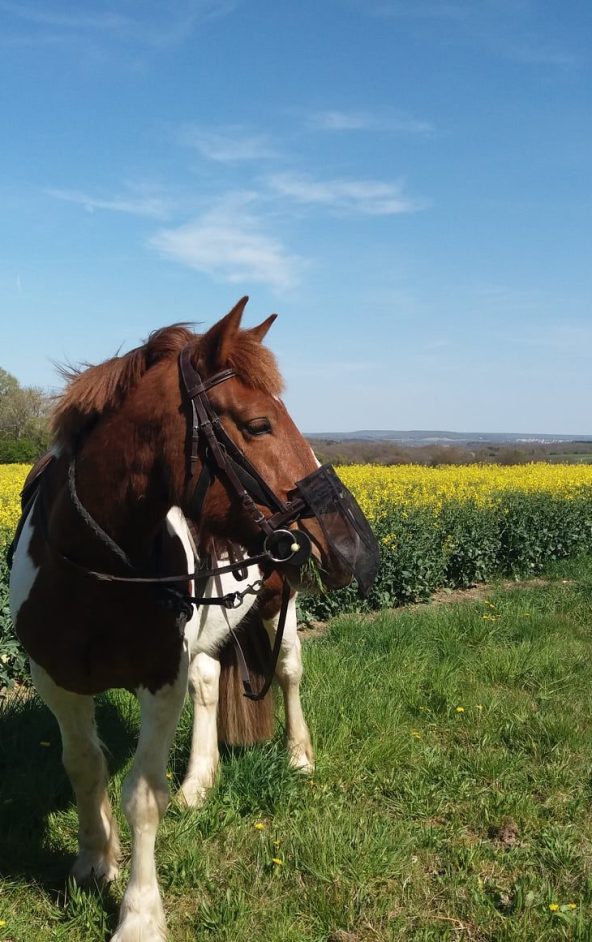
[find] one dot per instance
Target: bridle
(222, 455)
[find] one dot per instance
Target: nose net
(343, 523)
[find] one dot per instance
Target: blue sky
(406, 182)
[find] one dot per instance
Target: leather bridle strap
(249, 693)
(220, 444)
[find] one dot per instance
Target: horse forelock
(255, 365)
(95, 390)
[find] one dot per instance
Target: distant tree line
(24, 420)
(24, 436)
(354, 451)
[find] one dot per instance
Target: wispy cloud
(367, 121)
(370, 197)
(142, 205)
(229, 144)
(230, 242)
(145, 22)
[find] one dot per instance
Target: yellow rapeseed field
(12, 477)
(379, 488)
(450, 526)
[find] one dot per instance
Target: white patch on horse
(209, 627)
(24, 571)
(204, 687)
(288, 672)
(145, 797)
(82, 755)
(206, 632)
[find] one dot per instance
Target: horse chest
(90, 636)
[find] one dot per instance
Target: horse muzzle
(350, 547)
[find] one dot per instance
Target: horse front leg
(204, 680)
(145, 798)
(289, 674)
(85, 764)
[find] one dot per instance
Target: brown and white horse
(220, 711)
(118, 482)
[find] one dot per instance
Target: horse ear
(218, 342)
(258, 333)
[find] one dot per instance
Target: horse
(185, 427)
(220, 712)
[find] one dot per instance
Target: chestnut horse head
(129, 422)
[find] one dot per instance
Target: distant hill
(420, 437)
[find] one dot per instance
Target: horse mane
(96, 390)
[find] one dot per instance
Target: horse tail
(241, 721)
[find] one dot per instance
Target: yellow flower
(277, 861)
(2, 922)
(553, 907)
(260, 826)
(572, 905)
(460, 709)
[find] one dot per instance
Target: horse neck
(126, 479)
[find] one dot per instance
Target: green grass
(423, 821)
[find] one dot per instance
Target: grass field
(452, 798)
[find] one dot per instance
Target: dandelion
(572, 905)
(277, 861)
(460, 709)
(259, 826)
(553, 907)
(2, 923)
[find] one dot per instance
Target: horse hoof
(301, 761)
(140, 928)
(88, 867)
(192, 794)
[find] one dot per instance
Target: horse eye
(260, 426)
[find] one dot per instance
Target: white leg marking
(289, 675)
(206, 632)
(24, 572)
(204, 676)
(145, 798)
(86, 767)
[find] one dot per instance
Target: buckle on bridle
(287, 546)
